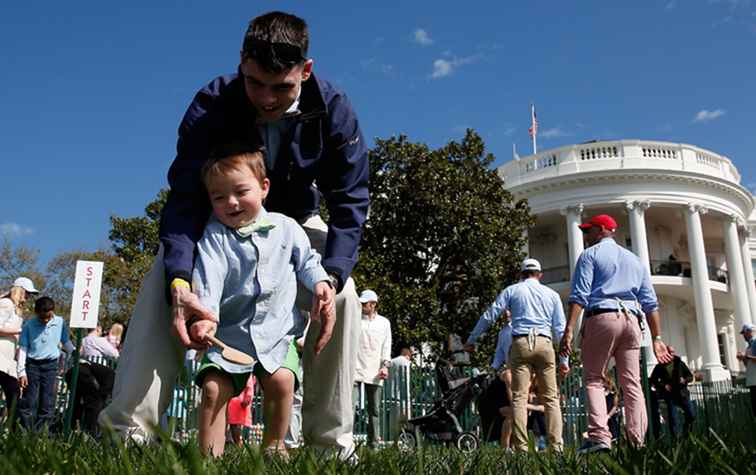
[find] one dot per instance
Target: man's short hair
(234, 156)
(277, 41)
(44, 305)
(530, 273)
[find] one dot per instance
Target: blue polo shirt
(42, 342)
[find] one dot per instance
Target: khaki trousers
(542, 360)
(152, 357)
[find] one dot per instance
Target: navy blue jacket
(326, 154)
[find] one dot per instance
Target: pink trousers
(618, 335)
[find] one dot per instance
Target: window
(721, 339)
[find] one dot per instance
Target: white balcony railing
(615, 155)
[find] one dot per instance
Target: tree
(135, 243)
(443, 237)
(19, 261)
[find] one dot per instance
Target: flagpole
(534, 127)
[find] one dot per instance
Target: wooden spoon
(231, 354)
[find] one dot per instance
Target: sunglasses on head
(266, 51)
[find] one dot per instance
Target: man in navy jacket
(314, 148)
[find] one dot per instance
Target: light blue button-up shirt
(534, 307)
(606, 272)
(503, 344)
(40, 341)
(251, 284)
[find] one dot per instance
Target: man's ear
(307, 70)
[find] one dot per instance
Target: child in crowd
(239, 411)
(38, 354)
(246, 270)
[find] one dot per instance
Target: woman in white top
(11, 309)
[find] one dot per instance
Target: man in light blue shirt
(38, 353)
(503, 344)
(613, 287)
(537, 315)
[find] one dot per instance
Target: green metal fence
(721, 406)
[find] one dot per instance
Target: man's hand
(199, 331)
(23, 382)
(564, 370)
(565, 346)
(740, 356)
(663, 355)
(324, 311)
(383, 373)
(668, 388)
(469, 347)
(185, 306)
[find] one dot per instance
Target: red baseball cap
(600, 220)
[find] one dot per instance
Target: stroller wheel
(406, 440)
(467, 442)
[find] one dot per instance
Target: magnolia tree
(443, 237)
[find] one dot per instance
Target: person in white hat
(373, 361)
(11, 310)
(537, 318)
(748, 357)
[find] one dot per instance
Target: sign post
(85, 305)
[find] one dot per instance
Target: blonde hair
(17, 296)
(116, 330)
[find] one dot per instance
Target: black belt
(599, 311)
(526, 335)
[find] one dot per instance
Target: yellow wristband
(179, 282)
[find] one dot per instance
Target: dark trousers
(672, 400)
(10, 391)
(39, 396)
(753, 399)
(373, 394)
(93, 389)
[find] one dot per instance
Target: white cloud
(422, 37)
(670, 5)
(554, 132)
(15, 229)
(445, 67)
(705, 115)
(509, 131)
(372, 65)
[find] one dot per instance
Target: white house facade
(680, 208)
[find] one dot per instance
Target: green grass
(32, 454)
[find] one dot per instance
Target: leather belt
(526, 335)
(599, 311)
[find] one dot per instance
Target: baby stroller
(441, 423)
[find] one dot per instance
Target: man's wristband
(179, 282)
(658, 338)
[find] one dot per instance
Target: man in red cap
(614, 288)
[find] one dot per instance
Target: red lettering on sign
(85, 305)
(86, 295)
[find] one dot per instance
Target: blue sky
(91, 93)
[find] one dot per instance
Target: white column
(575, 245)
(745, 254)
(573, 216)
(636, 211)
(705, 322)
(735, 272)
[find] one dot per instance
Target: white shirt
(93, 345)
(374, 349)
(400, 361)
(9, 321)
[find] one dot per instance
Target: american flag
(533, 130)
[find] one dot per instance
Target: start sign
(86, 294)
